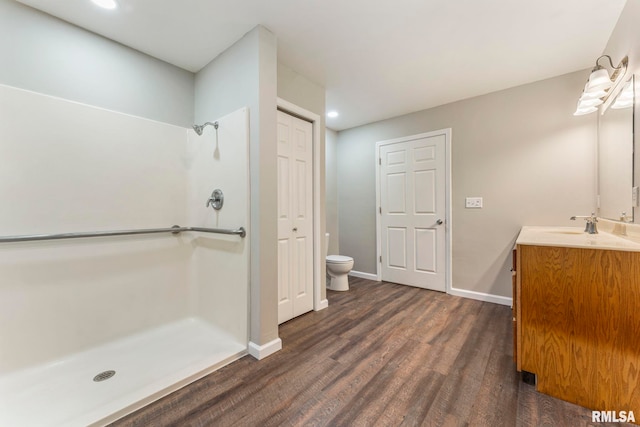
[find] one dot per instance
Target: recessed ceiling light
(106, 4)
(332, 114)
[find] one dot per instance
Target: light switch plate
(473, 202)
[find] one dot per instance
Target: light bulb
(581, 111)
(106, 4)
(598, 80)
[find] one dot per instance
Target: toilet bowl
(338, 268)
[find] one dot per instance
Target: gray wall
(521, 149)
(625, 39)
(299, 90)
(46, 55)
(331, 162)
(246, 75)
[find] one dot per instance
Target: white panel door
(295, 220)
(413, 210)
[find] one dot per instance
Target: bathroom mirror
(615, 156)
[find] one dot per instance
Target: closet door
(295, 220)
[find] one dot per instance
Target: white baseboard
(496, 299)
(323, 304)
(362, 275)
(262, 351)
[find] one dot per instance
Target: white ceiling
(377, 59)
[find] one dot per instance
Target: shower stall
(119, 280)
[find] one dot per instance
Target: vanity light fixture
(582, 110)
(625, 98)
(106, 4)
(600, 86)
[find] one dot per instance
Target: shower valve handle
(216, 200)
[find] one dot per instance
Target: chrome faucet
(591, 226)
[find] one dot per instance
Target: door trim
(447, 224)
(318, 236)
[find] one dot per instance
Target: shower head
(200, 128)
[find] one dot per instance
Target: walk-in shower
(104, 306)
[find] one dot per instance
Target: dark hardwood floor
(380, 355)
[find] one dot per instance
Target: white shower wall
(219, 265)
(67, 167)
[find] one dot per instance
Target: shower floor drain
(102, 376)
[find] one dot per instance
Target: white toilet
(338, 268)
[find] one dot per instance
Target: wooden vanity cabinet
(514, 311)
(577, 316)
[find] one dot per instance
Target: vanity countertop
(575, 237)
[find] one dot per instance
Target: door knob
(295, 228)
(439, 222)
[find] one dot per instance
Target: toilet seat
(339, 259)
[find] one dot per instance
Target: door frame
(318, 236)
(447, 223)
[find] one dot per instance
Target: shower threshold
(129, 373)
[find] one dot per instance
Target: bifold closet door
(295, 220)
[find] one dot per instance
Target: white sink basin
(567, 232)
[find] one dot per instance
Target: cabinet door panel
(557, 317)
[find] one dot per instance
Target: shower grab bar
(176, 229)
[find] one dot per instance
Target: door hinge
(380, 209)
(380, 258)
(380, 160)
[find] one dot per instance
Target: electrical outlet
(473, 202)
